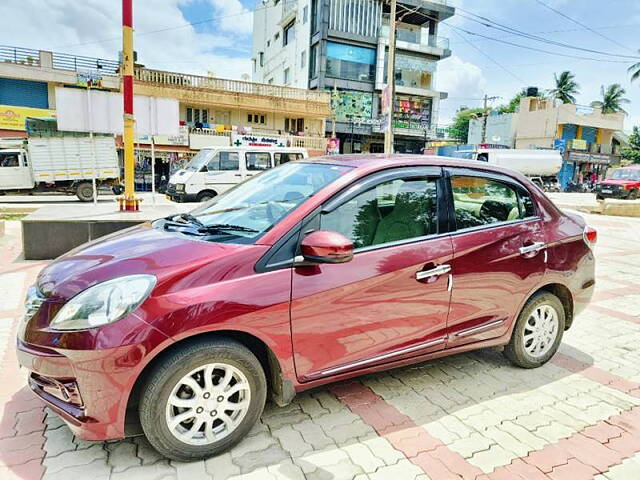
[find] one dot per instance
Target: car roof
(379, 161)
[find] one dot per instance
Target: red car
(312, 272)
(623, 183)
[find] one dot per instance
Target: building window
(315, 25)
(313, 61)
(360, 17)
(261, 56)
(412, 71)
(350, 62)
(288, 35)
(294, 125)
(287, 76)
(305, 14)
(269, 43)
(256, 118)
(270, 81)
(303, 59)
(276, 36)
(197, 116)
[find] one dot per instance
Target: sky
(214, 36)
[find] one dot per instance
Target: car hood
(612, 181)
(181, 176)
(176, 260)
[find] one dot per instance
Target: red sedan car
(315, 271)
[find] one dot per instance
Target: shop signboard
(578, 144)
(89, 79)
(560, 144)
(182, 138)
(411, 113)
(589, 158)
(238, 140)
(12, 118)
(347, 105)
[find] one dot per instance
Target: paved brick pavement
(470, 416)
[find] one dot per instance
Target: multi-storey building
(342, 46)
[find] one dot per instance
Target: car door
(499, 254)
(14, 171)
(223, 171)
(391, 301)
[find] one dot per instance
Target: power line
(505, 28)
(583, 25)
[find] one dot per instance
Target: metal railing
(416, 37)
(19, 56)
(62, 61)
(227, 85)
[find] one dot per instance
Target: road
(467, 416)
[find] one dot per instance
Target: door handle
(434, 272)
(533, 248)
(237, 174)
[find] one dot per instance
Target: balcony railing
(416, 38)
(227, 85)
(20, 56)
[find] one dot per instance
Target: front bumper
(87, 383)
(177, 196)
(612, 191)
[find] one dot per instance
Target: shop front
(584, 167)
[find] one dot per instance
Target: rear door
(499, 254)
(391, 301)
(223, 171)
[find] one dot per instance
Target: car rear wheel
(538, 331)
(202, 399)
(633, 195)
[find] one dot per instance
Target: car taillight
(590, 236)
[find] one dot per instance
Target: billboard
(12, 118)
(81, 110)
(347, 105)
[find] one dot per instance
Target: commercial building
(341, 46)
(213, 111)
(584, 135)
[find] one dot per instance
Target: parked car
(623, 183)
(312, 272)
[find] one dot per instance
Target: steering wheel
(274, 211)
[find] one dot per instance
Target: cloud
(463, 81)
(93, 28)
(236, 19)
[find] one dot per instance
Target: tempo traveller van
(215, 170)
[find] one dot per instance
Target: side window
(525, 204)
(396, 210)
(258, 160)
(480, 201)
(224, 161)
(9, 160)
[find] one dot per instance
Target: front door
(14, 172)
(391, 301)
(499, 255)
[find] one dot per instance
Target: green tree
(566, 87)
(514, 103)
(632, 151)
(634, 70)
(612, 99)
(460, 127)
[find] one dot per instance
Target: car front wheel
(538, 331)
(202, 399)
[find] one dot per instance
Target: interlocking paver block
(74, 458)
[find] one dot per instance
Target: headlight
(179, 187)
(104, 303)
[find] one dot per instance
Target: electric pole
(486, 115)
(129, 203)
(391, 79)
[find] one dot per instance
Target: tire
(117, 189)
(166, 381)
(84, 191)
(599, 197)
(633, 195)
(205, 196)
(519, 350)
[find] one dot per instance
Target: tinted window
(525, 204)
(480, 201)
(9, 160)
(224, 161)
(258, 161)
(396, 210)
(281, 158)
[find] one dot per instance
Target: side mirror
(204, 169)
(324, 246)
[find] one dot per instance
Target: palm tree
(566, 87)
(634, 70)
(612, 99)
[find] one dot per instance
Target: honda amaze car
(312, 272)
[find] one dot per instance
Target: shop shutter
(23, 93)
(589, 134)
(569, 131)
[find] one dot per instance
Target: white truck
(215, 170)
(58, 164)
(541, 166)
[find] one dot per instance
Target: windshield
(247, 211)
(626, 174)
(200, 160)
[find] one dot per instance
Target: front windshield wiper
(186, 219)
(222, 227)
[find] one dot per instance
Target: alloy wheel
(208, 403)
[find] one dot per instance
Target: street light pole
(129, 203)
(391, 79)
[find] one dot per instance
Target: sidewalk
(470, 416)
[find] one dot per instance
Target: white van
(216, 169)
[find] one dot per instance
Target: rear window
(480, 201)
